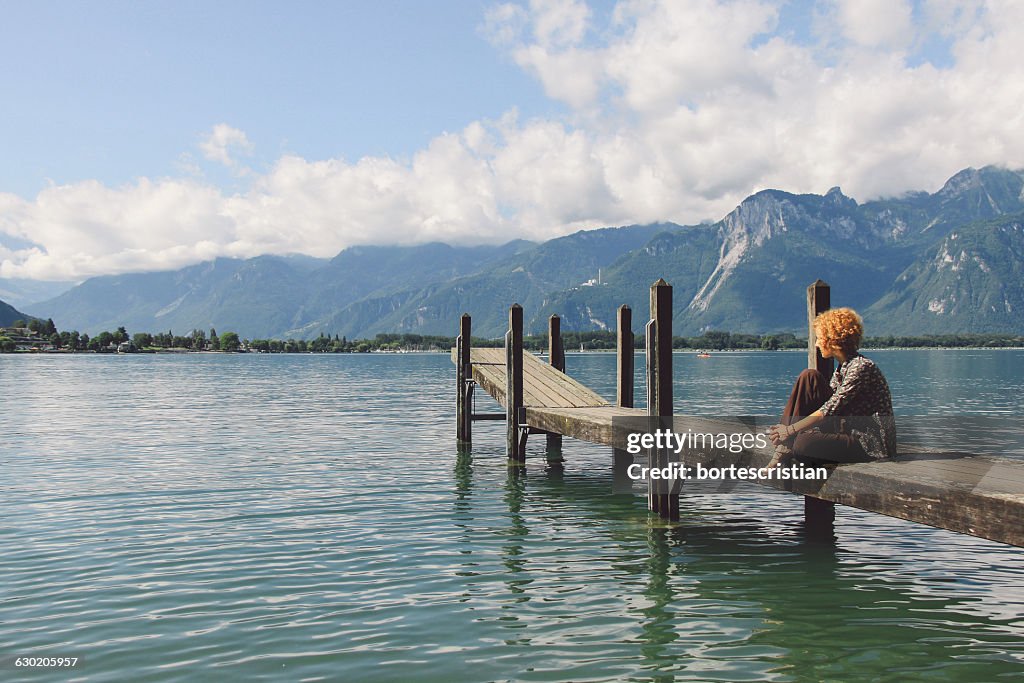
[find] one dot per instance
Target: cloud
(677, 111)
(877, 23)
(222, 142)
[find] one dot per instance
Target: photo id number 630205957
(46, 662)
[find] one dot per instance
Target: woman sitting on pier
(847, 420)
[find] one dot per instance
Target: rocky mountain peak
(999, 184)
(965, 180)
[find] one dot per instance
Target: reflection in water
(658, 627)
(515, 535)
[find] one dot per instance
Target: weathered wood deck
(543, 385)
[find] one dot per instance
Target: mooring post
(651, 374)
(621, 460)
(818, 301)
(515, 445)
(624, 364)
(556, 358)
(819, 515)
(464, 376)
(659, 360)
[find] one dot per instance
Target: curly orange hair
(840, 328)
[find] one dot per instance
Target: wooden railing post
(661, 312)
(624, 364)
(818, 301)
(663, 498)
(621, 460)
(463, 402)
(819, 515)
(556, 358)
(651, 374)
(515, 445)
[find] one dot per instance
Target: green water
(209, 517)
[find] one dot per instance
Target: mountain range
(922, 263)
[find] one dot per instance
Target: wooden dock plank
(543, 385)
(561, 384)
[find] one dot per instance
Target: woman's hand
(780, 433)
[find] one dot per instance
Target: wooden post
(463, 402)
(661, 312)
(624, 366)
(660, 391)
(651, 348)
(556, 352)
(819, 515)
(818, 301)
(556, 358)
(515, 445)
(621, 460)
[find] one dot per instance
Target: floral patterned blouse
(861, 397)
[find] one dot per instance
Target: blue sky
(153, 135)
(115, 90)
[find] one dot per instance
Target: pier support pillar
(663, 496)
(515, 444)
(556, 358)
(819, 519)
(621, 460)
(818, 301)
(464, 378)
(819, 515)
(624, 358)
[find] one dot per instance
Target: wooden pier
(971, 494)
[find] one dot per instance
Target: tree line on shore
(199, 340)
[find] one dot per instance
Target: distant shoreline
(713, 352)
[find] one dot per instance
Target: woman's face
(827, 350)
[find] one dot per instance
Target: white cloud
(877, 23)
(678, 111)
(223, 142)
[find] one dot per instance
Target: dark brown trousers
(828, 442)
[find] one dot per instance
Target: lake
(308, 517)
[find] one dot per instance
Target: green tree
(7, 345)
(214, 340)
(142, 339)
(229, 342)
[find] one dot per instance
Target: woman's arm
(780, 433)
